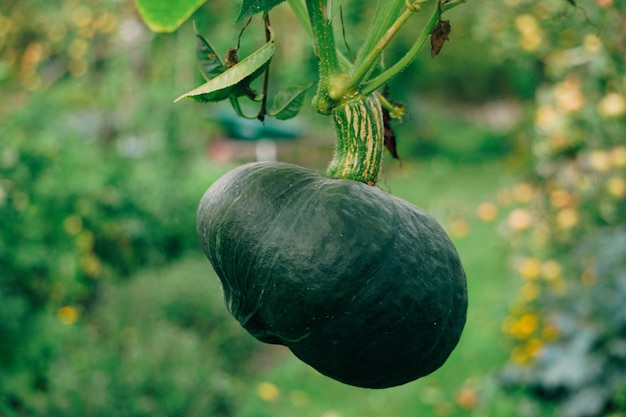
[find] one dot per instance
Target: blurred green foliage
(78, 213)
(569, 227)
(100, 177)
(159, 345)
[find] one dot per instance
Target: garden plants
(363, 286)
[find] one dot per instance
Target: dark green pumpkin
(361, 285)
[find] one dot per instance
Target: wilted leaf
(438, 36)
(252, 7)
(288, 102)
(209, 62)
(235, 79)
(166, 15)
(389, 135)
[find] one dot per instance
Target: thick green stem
(324, 42)
(357, 115)
(360, 140)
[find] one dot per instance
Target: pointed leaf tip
(252, 7)
(288, 102)
(165, 15)
(228, 82)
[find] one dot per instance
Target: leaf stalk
(374, 84)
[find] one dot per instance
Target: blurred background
(514, 139)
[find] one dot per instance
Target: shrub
(140, 353)
(85, 200)
(568, 232)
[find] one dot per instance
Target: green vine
(346, 90)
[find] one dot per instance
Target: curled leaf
(209, 62)
(389, 134)
(438, 36)
(252, 7)
(288, 102)
(234, 80)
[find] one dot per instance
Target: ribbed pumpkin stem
(360, 140)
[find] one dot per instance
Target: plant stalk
(369, 61)
(386, 13)
(359, 149)
(325, 48)
(382, 79)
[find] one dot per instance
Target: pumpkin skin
(363, 286)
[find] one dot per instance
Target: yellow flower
(612, 105)
(551, 270)
(534, 347)
(531, 33)
(520, 356)
(523, 354)
(616, 186)
(459, 228)
(525, 326)
(519, 220)
(525, 23)
(550, 333)
(523, 192)
(561, 198)
(530, 291)
(487, 211)
(567, 218)
(599, 160)
(568, 96)
(530, 269)
(618, 157)
(467, 398)
(268, 391)
(91, 265)
(67, 314)
(592, 43)
(547, 119)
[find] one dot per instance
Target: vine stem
(266, 76)
(386, 13)
(382, 79)
(368, 62)
(325, 48)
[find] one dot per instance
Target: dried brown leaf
(438, 36)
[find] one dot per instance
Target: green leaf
(252, 7)
(166, 15)
(209, 62)
(234, 102)
(288, 102)
(234, 79)
(335, 6)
